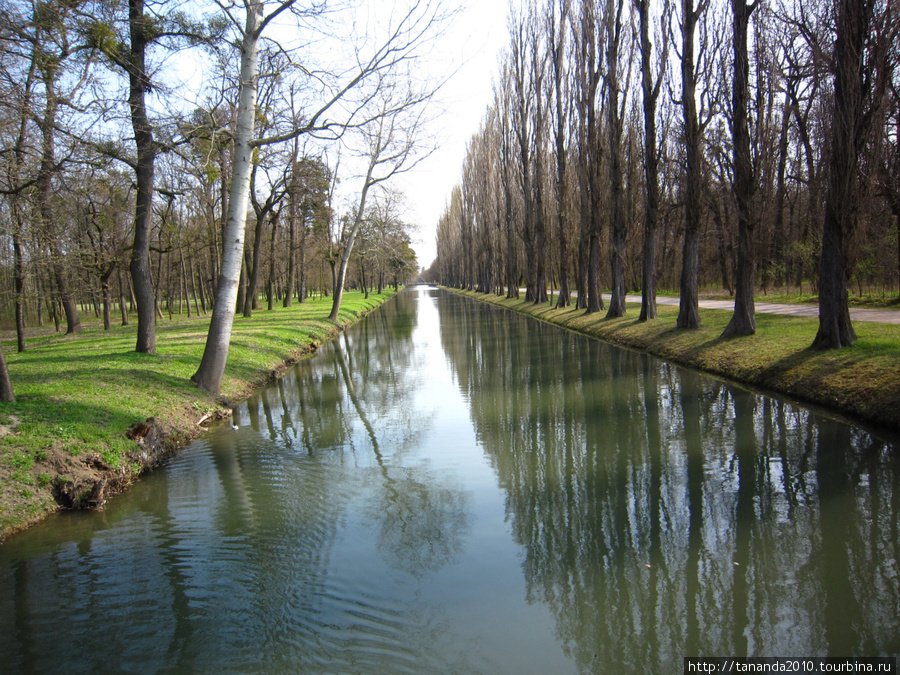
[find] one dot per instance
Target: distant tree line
(634, 145)
(141, 140)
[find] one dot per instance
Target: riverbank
(91, 414)
(861, 382)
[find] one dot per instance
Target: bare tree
(557, 21)
(889, 166)
(651, 83)
(866, 33)
(526, 72)
(614, 94)
(539, 57)
(7, 395)
(589, 40)
(18, 86)
(48, 32)
(404, 37)
(145, 28)
(743, 321)
(307, 206)
(503, 94)
(212, 366)
(694, 122)
(689, 308)
(393, 145)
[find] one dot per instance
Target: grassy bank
(65, 436)
(861, 382)
(871, 299)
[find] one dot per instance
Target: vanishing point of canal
(449, 487)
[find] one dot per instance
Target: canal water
(449, 487)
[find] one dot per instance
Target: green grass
(77, 395)
(871, 299)
(861, 382)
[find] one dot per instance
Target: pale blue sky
(472, 46)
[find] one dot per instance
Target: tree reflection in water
(665, 514)
(423, 515)
(358, 527)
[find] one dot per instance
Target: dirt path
(874, 315)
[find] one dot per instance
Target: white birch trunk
(348, 249)
(212, 367)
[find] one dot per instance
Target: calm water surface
(452, 488)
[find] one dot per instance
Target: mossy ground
(861, 382)
(77, 395)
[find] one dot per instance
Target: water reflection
(452, 488)
(366, 382)
(229, 558)
(664, 514)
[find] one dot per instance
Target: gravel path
(875, 315)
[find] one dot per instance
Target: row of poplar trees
(157, 155)
(685, 142)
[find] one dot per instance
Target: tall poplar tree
(743, 321)
(856, 81)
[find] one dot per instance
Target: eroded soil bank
(46, 465)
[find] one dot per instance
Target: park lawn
(861, 382)
(76, 396)
(867, 298)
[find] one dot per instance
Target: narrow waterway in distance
(450, 487)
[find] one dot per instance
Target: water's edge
(158, 439)
(871, 419)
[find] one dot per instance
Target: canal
(449, 487)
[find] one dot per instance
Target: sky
(470, 49)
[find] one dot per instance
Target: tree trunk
(7, 395)
(188, 288)
(523, 99)
(724, 249)
(122, 308)
(139, 84)
(897, 222)
(348, 249)
(538, 222)
(19, 271)
(595, 218)
(617, 251)
(242, 282)
(107, 299)
(595, 300)
(581, 281)
(512, 284)
(842, 199)
(743, 321)
(215, 355)
(779, 238)
(651, 168)
(302, 291)
(15, 206)
(561, 116)
(197, 287)
(689, 307)
(292, 236)
(44, 194)
(540, 246)
(595, 230)
(253, 277)
(73, 323)
(270, 286)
